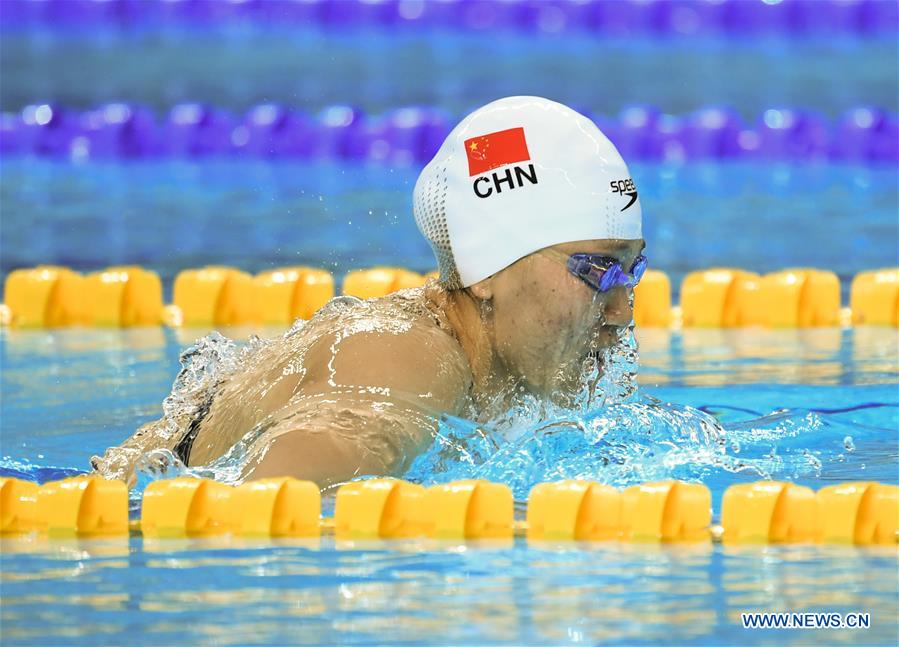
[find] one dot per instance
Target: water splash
(615, 435)
(159, 464)
(204, 366)
(30, 471)
(644, 440)
(605, 431)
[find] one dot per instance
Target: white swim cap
(518, 175)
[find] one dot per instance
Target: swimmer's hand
(121, 462)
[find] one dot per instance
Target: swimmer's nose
(618, 311)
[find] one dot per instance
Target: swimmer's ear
(482, 289)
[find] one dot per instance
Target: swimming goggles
(602, 273)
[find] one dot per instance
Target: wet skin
(545, 319)
(365, 401)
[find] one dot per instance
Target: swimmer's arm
(322, 451)
(120, 462)
(371, 412)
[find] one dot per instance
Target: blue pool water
(715, 406)
(235, 68)
(786, 400)
(409, 593)
(817, 407)
(257, 215)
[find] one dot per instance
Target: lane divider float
(765, 512)
(726, 298)
(123, 296)
(412, 134)
(687, 18)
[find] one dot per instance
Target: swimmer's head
(518, 187)
(547, 325)
(516, 176)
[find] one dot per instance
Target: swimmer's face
(546, 321)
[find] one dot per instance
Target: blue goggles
(602, 273)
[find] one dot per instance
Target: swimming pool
(816, 406)
(813, 406)
(258, 215)
(721, 407)
(379, 69)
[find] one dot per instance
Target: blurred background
(264, 133)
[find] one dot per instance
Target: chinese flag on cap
(496, 149)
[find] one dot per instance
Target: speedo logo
(493, 150)
(625, 187)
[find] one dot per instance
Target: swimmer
(535, 223)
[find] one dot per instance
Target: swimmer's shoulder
(392, 343)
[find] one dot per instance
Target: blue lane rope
(623, 18)
(411, 135)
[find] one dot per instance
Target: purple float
(637, 133)
(192, 11)
(792, 134)
(342, 133)
(622, 18)
(754, 17)
(136, 13)
(481, 15)
(712, 133)
(286, 11)
(687, 17)
(270, 130)
(352, 13)
(198, 12)
(616, 18)
(51, 128)
(15, 139)
(413, 134)
(17, 13)
(878, 16)
(866, 135)
(749, 142)
(669, 134)
(80, 12)
(193, 129)
(814, 16)
(118, 130)
(886, 148)
(554, 16)
(409, 135)
(437, 15)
